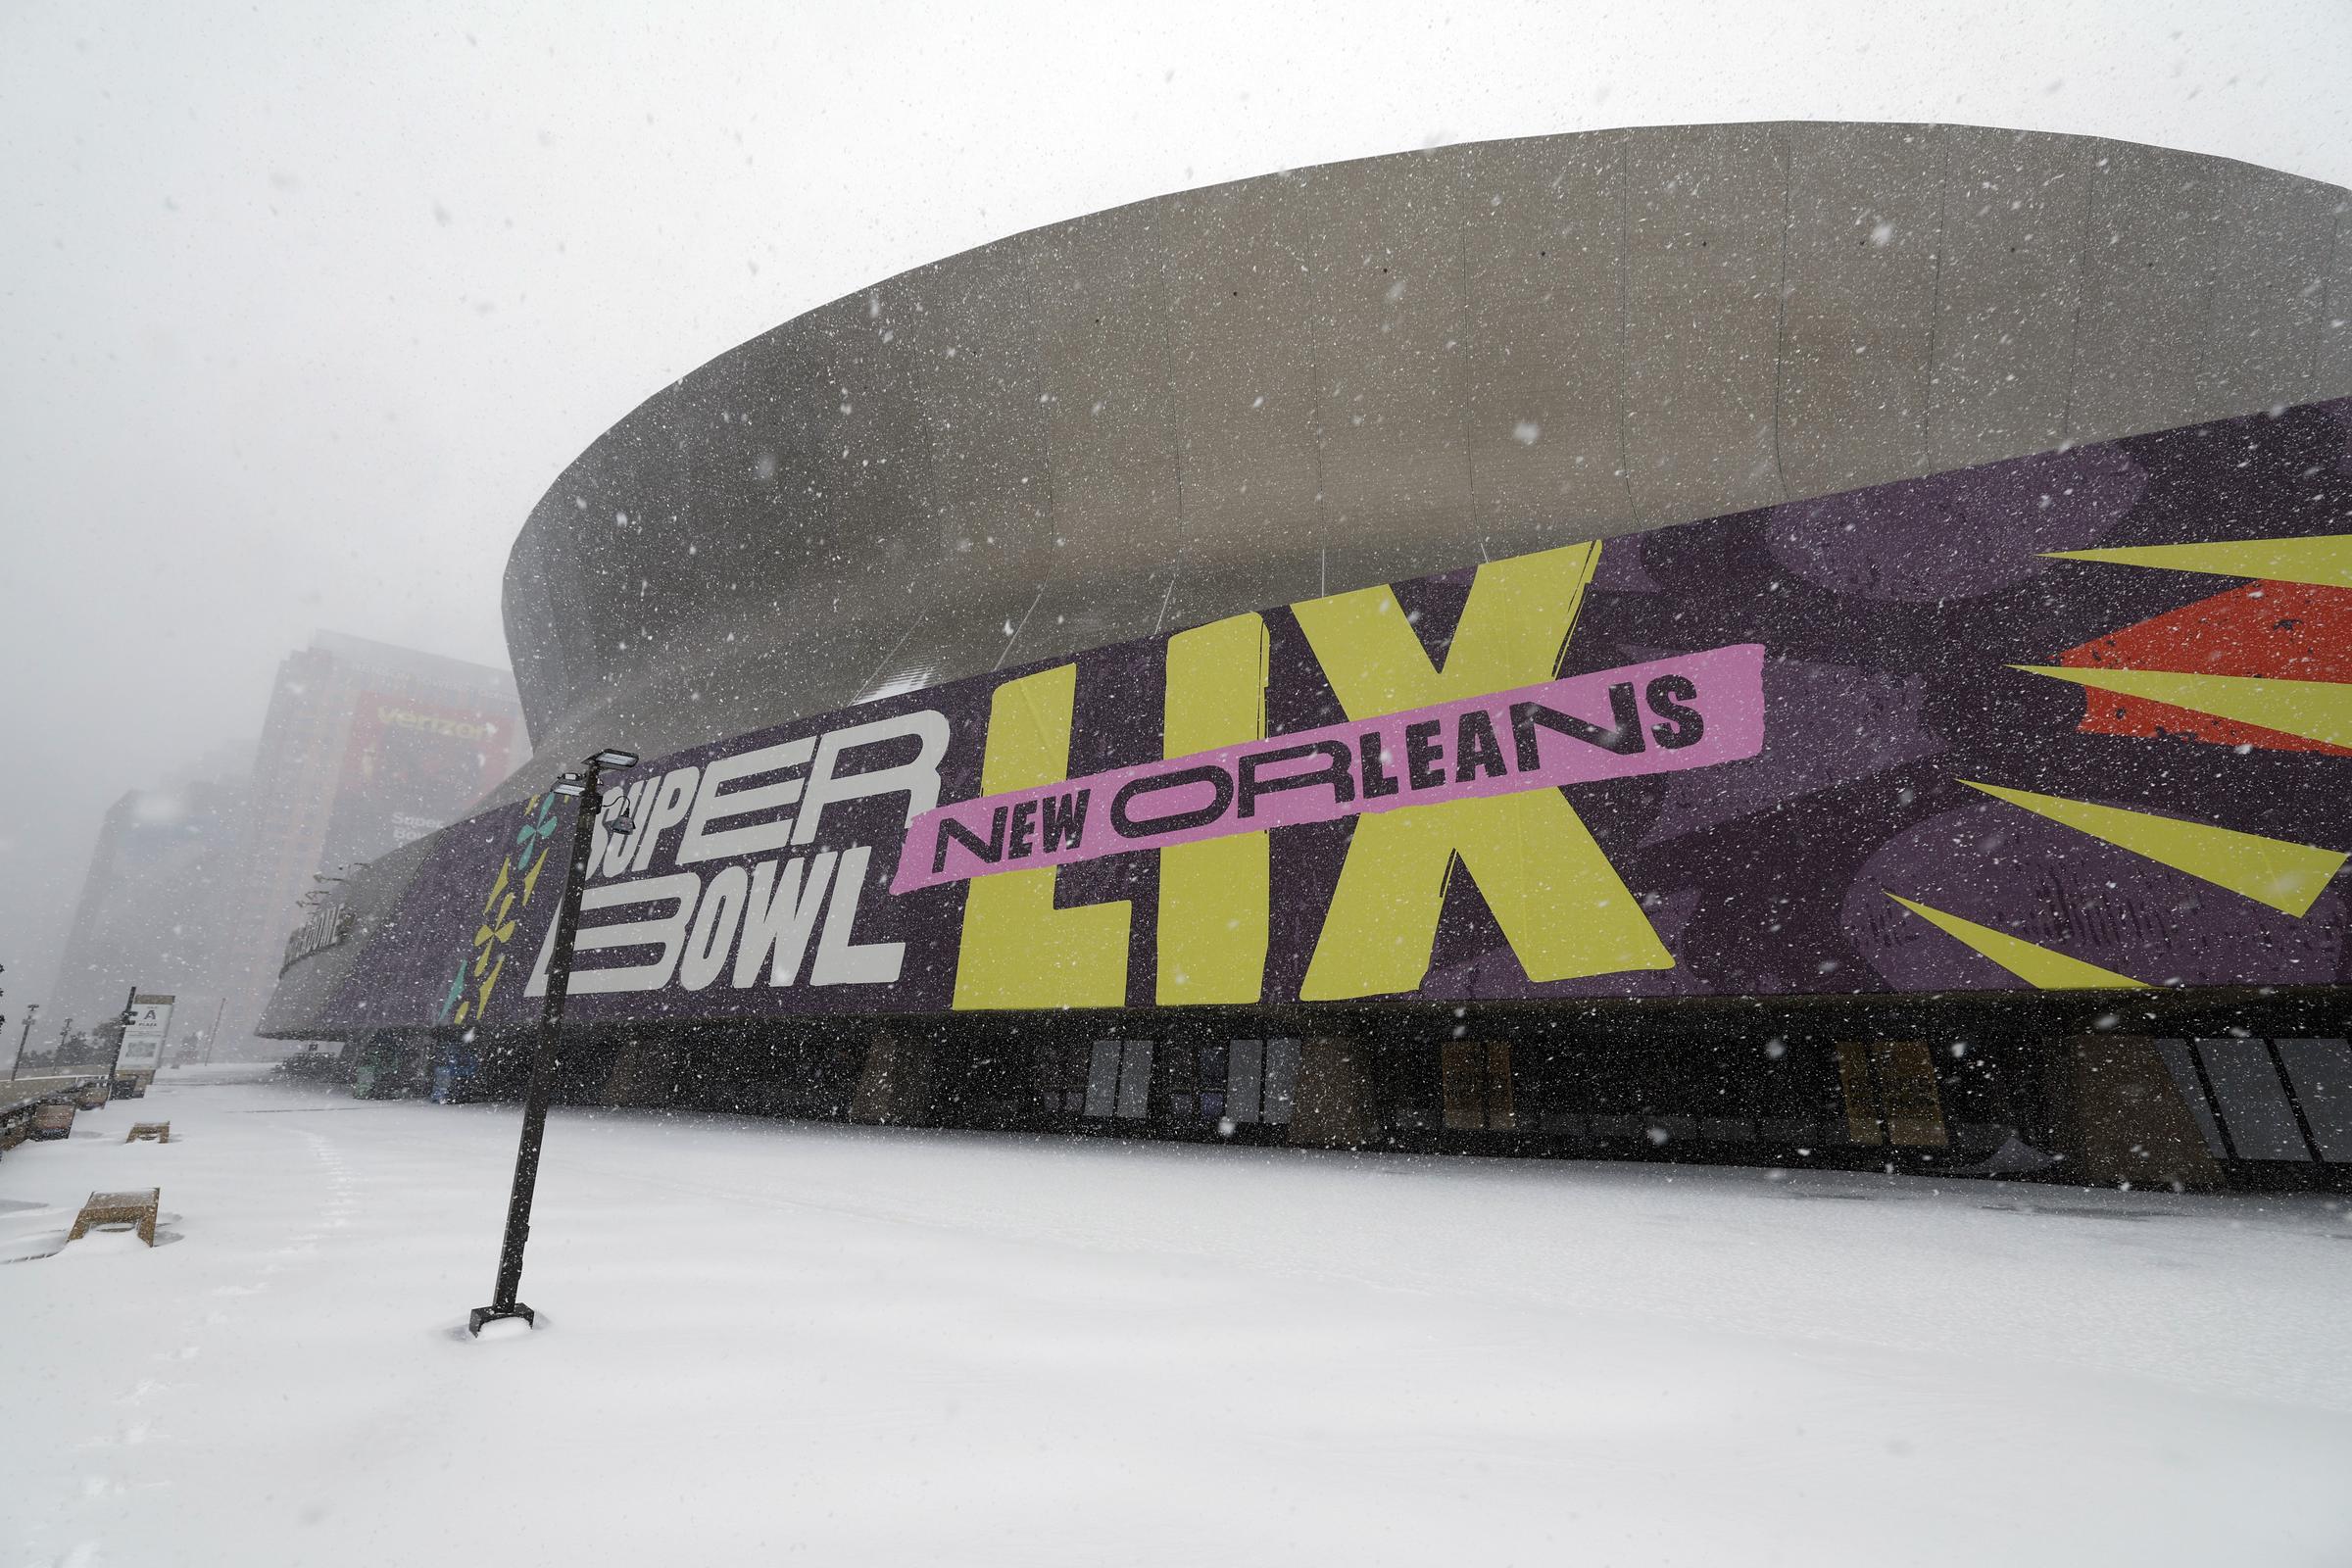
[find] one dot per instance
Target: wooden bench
(94, 1095)
(119, 1208)
(55, 1119)
(160, 1131)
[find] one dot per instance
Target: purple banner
(2080, 721)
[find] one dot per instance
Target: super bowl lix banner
(2079, 720)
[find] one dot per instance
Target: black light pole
(581, 786)
(20, 1039)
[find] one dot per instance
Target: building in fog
(194, 886)
(365, 747)
(1805, 642)
(152, 907)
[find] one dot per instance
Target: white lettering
(702, 842)
(780, 914)
(714, 933)
(839, 960)
(669, 932)
(669, 809)
(917, 779)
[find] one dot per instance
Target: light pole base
(494, 1315)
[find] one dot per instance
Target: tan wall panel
(2009, 292)
(1865, 214)
(1543, 382)
(1242, 361)
(2332, 374)
(1103, 344)
(2270, 286)
(2147, 296)
(1706, 214)
(1234, 335)
(1389, 327)
(977, 368)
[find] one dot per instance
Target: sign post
(146, 1022)
(15, 1066)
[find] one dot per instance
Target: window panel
(1282, 1080)
(2253, 1103)
(1102, 1077)
(1243, 1077)
(1135, 1079)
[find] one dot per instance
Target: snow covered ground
(766, 1341)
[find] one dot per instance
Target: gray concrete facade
(1313, 381)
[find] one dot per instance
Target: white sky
(303, 305)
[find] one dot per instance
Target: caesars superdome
(1807, 637)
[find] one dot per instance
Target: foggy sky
(302, 306)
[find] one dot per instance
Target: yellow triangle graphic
(2037, 966)
(2316, 710)
(2325, 561)
(2286, 876)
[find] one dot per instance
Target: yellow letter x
(1561, 906)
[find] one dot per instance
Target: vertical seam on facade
(2207, 370)
(918, 385)
(1167, 337)
(1049, 400)
(1167, 349)
(1310, 232)
(1928, 458)
(2083, 281)
(2328, 272)
(1780, 317)
(1625, 316)
(1464, 213)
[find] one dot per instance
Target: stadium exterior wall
(1316, 381)
(1448, 371)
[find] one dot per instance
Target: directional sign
(144, 1037)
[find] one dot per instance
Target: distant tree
(102, 1042)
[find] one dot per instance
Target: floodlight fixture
(570, 784)
(615, 756)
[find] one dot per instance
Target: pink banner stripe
(1663, 717)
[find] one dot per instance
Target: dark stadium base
(2189, 1091)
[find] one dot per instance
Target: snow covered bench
(135, 1208)
(160, 1131)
